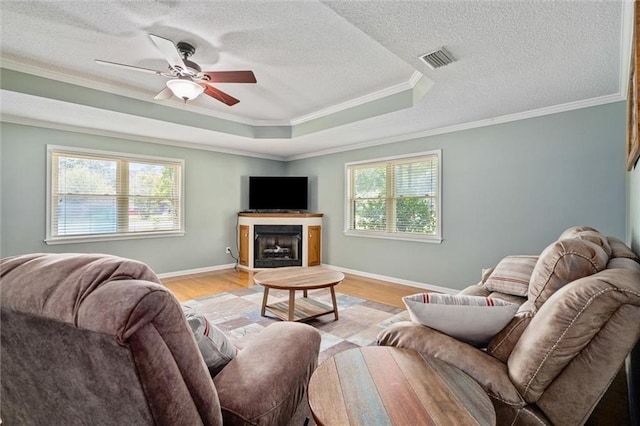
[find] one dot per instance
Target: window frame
(50, 239)
(403, 236)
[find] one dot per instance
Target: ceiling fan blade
(169, 51)
(147, 70)
(219, 95)
(230, 76)
(166, 93)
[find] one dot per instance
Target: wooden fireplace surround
(311, 235)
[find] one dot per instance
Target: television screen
(277, 192)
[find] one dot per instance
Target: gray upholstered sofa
(576, 325)
(96, 339)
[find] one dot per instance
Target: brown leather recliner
(96, 339)
(554, 361)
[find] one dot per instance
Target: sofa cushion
(267, 380)
(518, 300)
(490, 373)
(511, 275)
(570, 232)
(562, 262)
(620, 249)
(502, 344)
(97, 316)
(589, 234)
(215, 347)
(472, 319)
(479, 290)
(54, 285)
(486, 273)
(475, 290)
(623, 263)
(583, 327)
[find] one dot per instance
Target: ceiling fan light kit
(188, 80)
(185, 89)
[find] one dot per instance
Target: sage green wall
(507, 189)
(214, 193)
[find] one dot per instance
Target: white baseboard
(336, 268)
(393, 280)
(196, 271)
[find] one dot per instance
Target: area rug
(237, 313)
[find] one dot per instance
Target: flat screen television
(278, 193)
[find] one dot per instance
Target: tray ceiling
(332, 75)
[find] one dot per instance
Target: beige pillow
(512, 275)
(472, 319)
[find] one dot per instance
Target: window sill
(433, 239)
(111, 237)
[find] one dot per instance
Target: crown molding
(362, 100)
(626, 37)
(627, 24)
(41, 71)
(128, 136)
(570, 106)
(16, 65)
(399, 138)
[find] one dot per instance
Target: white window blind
(396, 197)
(97, 195)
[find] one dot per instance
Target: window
(96, 195)
(395, 197)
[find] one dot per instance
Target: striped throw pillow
(511, 275)
(472, 319)
(215, 347)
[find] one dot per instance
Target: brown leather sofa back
(561, 263)
(576, 343)
(95, 339)
(589, 234)
(555, 360)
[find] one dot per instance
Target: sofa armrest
(489, 372)
(268, 378)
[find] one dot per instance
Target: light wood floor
(206, 284)
(612, 410)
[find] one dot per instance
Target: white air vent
(437, 58)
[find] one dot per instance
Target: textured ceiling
(341, 60)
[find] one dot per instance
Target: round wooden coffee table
(295, 279)
(383, 385)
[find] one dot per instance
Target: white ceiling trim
(471, 125)
(598, 38)
(626, 37)
(14, 65)
(18, 66)
(398, 88)
(399, 138)
(127, 136)
(39, 69)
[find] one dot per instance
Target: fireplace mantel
(311, 224)
(280, 215)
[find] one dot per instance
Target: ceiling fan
(188, 80)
